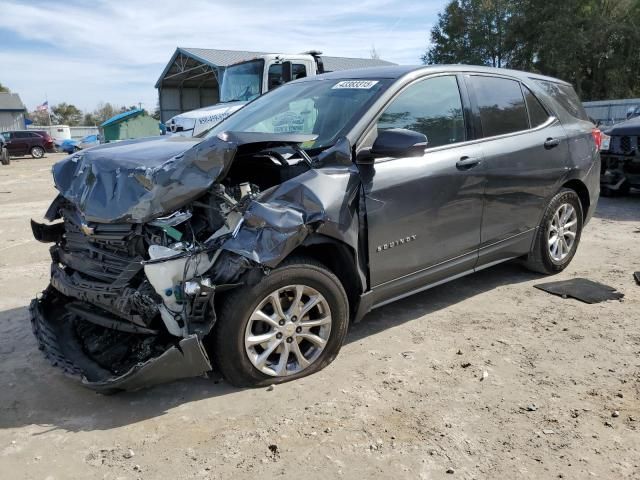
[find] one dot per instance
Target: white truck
(241, 83)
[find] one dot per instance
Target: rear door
(424, 212)
(525, 155)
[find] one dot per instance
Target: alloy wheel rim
(38, 152)
(288, 330)
(563, 228)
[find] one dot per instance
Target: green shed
(127, 125)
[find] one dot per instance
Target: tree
(66, 114)
(4, 89)
(590, 43)
(104, 112)
(373, 53)
(39, 117)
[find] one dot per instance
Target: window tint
(537, 114)
(22, 135)
(501, 105)
(298, 71)
(432, 107)
(566, 97)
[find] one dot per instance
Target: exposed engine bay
(132, 293)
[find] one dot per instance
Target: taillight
(597, 137)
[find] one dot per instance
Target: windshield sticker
(288, 122)
(359, 84)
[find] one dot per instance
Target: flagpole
(46, 99)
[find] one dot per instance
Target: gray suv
(250, 249)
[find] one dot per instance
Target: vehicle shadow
(35, 393)
(620, 209)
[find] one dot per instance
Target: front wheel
(558, 234)
(289, 325)
(37, 152)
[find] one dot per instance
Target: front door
(424, 213)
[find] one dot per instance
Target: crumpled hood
(628, 127)
(136, 181)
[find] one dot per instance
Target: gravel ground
(485, 377)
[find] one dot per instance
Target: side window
(299, 71)
(537, 114)
(432, 107)
(501, 104)
(275, 76)
(22, 135)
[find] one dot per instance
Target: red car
(28, 142)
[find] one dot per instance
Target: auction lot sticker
(359, 84)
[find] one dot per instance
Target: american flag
(44, 107)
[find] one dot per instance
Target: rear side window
(432, 107)
(501, 105)
(537, 113)
(22, 135)
(566, 97)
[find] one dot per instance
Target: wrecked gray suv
(249, 250)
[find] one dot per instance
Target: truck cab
(241, 83)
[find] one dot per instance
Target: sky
(87, 52)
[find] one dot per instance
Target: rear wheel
(37, 152)
(558, 234)
(289, 325)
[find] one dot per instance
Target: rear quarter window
(566, 96)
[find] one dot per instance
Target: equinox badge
(396, 243)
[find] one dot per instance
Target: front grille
(104, 256)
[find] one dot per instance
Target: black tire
(4, 157)
(227, 345)
(540, 259)
(37, 152)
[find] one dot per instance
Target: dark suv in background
(621, 156)
(28, 142)
(252, 247)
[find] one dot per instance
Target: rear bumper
(54, 332)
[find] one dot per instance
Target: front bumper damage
(188, 358)
(131, 298)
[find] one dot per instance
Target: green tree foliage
(66, 114)
(594, 44)
(4, 89)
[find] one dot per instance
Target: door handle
(551, 143)
(466, 163)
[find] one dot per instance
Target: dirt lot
(404, 399)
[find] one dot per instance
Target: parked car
(71, 146)
(251, 248)
(4, 153)
(620, 153)
(29, 142)
(67, 145)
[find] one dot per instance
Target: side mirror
(399, 142)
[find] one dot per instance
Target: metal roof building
(12, 112)
(191, 78)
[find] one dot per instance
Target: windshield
(324, 108)
(242, 81)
